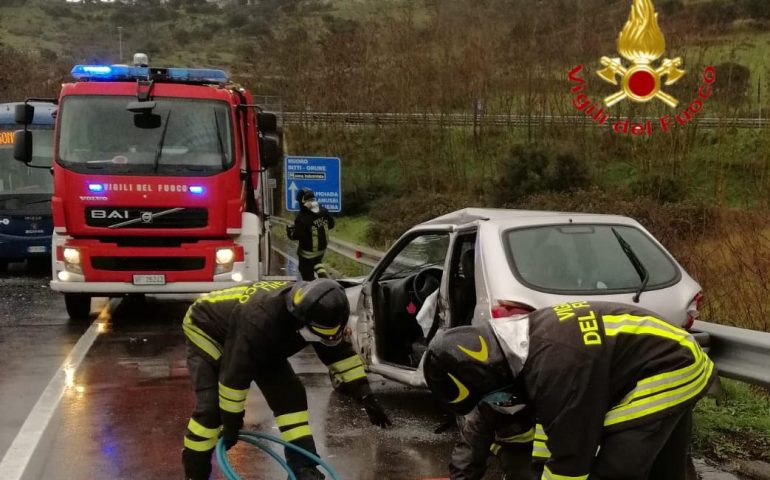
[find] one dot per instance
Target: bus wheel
(78, 306)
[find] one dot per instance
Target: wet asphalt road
(125, 412)
(128, 405)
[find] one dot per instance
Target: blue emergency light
(96, 187)
(117, 73)
(197, 190)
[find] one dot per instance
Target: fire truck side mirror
(24, 114)
(22, 146)
(267, 122)
(270, 150)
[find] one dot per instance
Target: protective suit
(612, 385)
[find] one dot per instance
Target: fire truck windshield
(18, 179)
(178, 137)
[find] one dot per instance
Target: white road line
(17, 457)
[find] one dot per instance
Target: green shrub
(663, 189)
(671, 223)
(391, 217)
(527, 171)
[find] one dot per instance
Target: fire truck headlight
(225, 256)
(72, 256)
(63, 276)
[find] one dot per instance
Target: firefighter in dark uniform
(309, 230)
(247, 333)
(612, 385)
(501, 425)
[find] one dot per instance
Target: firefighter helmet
(304, 195)
(322, 308)
(464, 364)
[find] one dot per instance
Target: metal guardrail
(739, 353)
(471, 119)
(365, 255)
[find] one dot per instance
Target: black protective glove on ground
(375, 411)
(232, 423)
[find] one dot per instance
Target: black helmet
(304, 195)
(322, 308)
(464, 364)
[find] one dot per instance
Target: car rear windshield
(586, 258)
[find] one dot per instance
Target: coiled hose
(259, 440)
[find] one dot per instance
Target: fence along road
(471, 119)
(739, 353)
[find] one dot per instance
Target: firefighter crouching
(247, 333)
(612, 385)
(310, 231)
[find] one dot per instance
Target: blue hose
(258, 440)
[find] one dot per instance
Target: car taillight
(693, 310)
(507, 308)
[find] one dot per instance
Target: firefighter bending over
(612, 385)
(247, 333)
(309, 230)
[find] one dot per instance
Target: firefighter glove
(375, 411)
(290, 231)
(231, 425)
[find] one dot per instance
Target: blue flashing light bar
(96, 187)
(197, 190)
(118, 73)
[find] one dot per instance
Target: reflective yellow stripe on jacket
(662, 391)
(348, 370)
(549, 475)
(539, 446)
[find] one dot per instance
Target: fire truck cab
(159, 175)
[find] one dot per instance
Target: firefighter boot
(197, 465)
(309, 473)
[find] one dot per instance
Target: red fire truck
(159, 176)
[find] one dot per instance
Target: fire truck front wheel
(78, 306)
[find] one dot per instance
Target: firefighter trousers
(656, 451)
(203, 427)
(285, 396)
(309, 268)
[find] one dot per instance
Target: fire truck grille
(148, 264)
(137, 217)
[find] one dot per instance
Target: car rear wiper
(644, 275)
(160, 143)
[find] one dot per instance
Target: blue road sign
(323, 175)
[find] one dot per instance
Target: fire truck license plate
(149, 279)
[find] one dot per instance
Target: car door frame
(364, 331)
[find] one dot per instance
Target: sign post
(323, 175)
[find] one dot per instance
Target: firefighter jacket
(490, 429)
(598, 367)
(310, 232)
(243, 329)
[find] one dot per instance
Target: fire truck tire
(78, 306)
